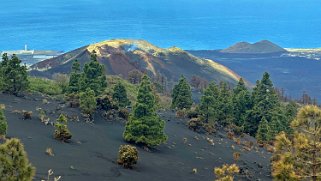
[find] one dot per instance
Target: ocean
(189, 24)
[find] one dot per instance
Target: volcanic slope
(92, 151)
(122, 56)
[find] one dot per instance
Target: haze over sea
(189, 24)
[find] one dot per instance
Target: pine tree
(263, 132)
(88, 102)
(3, 66)
(120, 95)
(241, 103)
(14, 75)
(14, 163)
(93, 76)
(208, 104)
(291, 109)
(3, 124)
(182, 95)
(144, 125)
(240, 87)
(225, 108)
(75, 75)
(299, 157)
(279, 121)
(265, 101)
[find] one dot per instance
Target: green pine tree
(263, 132)
(3, 124)
(144, 125)
(182, 95)
(14, 75)
(94, 76)
(291, 110)
(14, 163)
(240, 86)
(241, 103)
(75, 75)
(225, 108)
(3, 66)
(265, 102)
(120, 95)
(208, 104)
(88, 102)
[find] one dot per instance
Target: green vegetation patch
(132, 89)
(45, 86)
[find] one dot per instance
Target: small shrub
(26, 114)
(62, 132)
(106, 103)
(123, 113)
(192, 114)
(209, 128)
(43, 117)
(248, 145)
(45, 101)
(181, 113)
(237, 141)
(127, 156)
(49, 152)
(210, 141)
(236, 156)
(111, 114)
(230, 135)
(270, 148)
(226, 172)
(195, 124)
(73, 100)
(237, 130)
(194, 171)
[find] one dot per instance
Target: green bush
(195, 124)
(3, 124)
(127, 156)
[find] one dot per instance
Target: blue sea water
(190, 24)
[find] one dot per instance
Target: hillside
(122, 56)
(263, 46)
(295, 72)
(92, 151)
